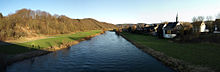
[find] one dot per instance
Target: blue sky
(119, 11)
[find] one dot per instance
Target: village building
(199, 26)
(156, 26)
(159, 30)
(170, 29)
(140, 26)
(217, 26)
(210, 26)
(149, 27)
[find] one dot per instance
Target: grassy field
(204, 54)
(44, 43)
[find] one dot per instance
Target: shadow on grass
(9, 50)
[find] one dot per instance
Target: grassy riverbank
(203, 54)
(41, 44)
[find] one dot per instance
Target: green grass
(204, 54)
(45, 43)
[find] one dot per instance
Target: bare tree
(201, 18)
(194, 19)
(209, 18)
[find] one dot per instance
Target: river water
(104, 53)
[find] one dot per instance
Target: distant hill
(29, 23)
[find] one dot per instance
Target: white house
(170, 29)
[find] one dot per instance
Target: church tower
(177, 18)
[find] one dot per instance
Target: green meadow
(203, 54)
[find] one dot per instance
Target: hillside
(29, 23)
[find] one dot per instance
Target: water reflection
(107, 52)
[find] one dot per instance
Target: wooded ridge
(29, 23)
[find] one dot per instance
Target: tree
(1, 16)
(194, 19)
(209, 18)
(29, 23)
(201, 18)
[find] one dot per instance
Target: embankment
(176, 64)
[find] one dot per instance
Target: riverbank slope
(183, 57)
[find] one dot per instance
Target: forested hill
(28, 23)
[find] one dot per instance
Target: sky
(119, 11)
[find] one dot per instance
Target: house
(170, 29)
(159, 30)
(199, 26)
(209, 26)
(156, 26)
(140, 26)
(217, 26)
(132, 28)
(149, 27)
(125, 27)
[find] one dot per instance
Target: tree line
(29, 23)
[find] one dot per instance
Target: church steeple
(177, 18)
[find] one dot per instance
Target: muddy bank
(9, 59)
(171, 62)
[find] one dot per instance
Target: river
(104, 53)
